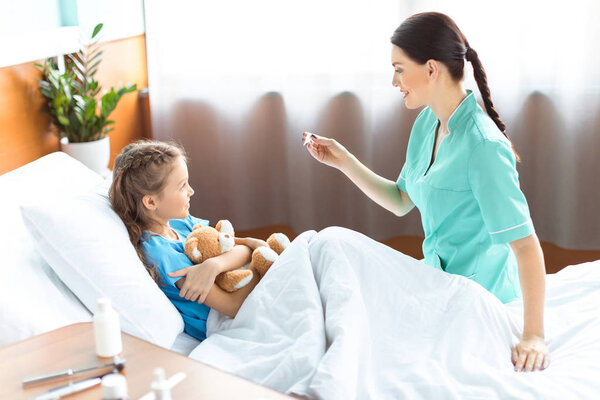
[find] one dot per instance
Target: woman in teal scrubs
(460, 172)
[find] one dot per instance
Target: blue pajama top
(168, 256)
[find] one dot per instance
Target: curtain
(238, 82)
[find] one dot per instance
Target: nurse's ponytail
(481, 79)
(433, 35)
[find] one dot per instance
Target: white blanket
(341, 316)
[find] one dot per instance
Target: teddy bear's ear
(197, 226)
(225, 226)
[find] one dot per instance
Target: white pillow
(33, 299)
(87, 245)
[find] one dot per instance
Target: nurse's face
(415, 81)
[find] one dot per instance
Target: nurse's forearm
(382, 191)
(532, 274)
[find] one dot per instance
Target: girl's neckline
(166, 238)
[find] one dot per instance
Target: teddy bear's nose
(227, 236)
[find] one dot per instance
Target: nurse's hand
(531, 354)
(325, 150)
(198, 280)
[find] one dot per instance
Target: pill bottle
(107, 330)
(160, 387)
(114, 387)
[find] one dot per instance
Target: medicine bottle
(114, 387)
(107, 330)
(160, 387)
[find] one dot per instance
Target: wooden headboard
(25, 129)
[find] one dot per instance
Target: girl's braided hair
(142, 168)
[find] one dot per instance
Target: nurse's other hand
(325, 150)
(531, 354)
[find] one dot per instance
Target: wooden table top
(73, 347)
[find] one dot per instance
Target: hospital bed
(339, 316)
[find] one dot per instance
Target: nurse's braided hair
(433, 35)
(141, 168)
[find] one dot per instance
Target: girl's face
(416, 82)
(174, 201)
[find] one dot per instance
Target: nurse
(460, 173)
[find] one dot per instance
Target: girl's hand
(251, 242)
(531, 353)
(199, 279)
(325, 150)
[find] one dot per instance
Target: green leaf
(97, 30)
(63, 120)
(79, 101)
(127, 89)
(90, 109)
(47, 93)
(44, 84)
(94, 65)
(77, 63)
(92, 57)
(74, 122)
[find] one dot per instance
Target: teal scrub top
(470, 200)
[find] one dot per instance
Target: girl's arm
(531, 353)
(235, 258)
(198, 279)
(224, 302)
(230, 303)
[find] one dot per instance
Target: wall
(25, 129)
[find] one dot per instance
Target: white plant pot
(94, 155)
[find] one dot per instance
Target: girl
(460, 173)
(151, 194)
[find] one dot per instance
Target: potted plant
(81, 120)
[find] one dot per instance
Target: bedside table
(73, 346)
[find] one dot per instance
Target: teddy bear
(205, 242)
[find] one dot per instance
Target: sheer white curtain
(238, 82)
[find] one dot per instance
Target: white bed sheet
(184, 344)
(332, 321)
(340, 316)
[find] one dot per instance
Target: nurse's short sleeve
(401, 182)
(494, 181)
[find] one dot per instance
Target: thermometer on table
(72, 387)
